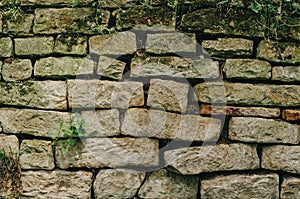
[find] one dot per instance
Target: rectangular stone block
(248, 94)
(110, 67)
(16, 70)
(69, 45)
(164, 125)
(52, 2)
(9, 145)
(6, 47)
(286, 73)
(104, 94)
(34, 46)
(222, 157)
(291, 115)
(36, 94)
(241, 186)
(251, 129)
(290, 188)
(281, 157)
(109, 152)
(56, 184)
(21, 27)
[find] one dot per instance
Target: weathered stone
(117, 183)
(109, 152)
(21, 27)
(291, 115)
(222, 157)
(53, 2)
(36, 154)
(112, 68)
(34, 46)
(104, 94)
(228, 47)
(241, 186)
(6, 47)
(159, 18)
(247, 69)
(70, 45)
(33, 122)
(16, 69)
(174, 67)
(290, 188)
(36, 94)
(159, 124)
(164, 184)
(63, 66)
(279, 52)
(280, 157)
(250, 129)
(9, 145)
(239, 111)
(116, 44)
(248, 94)
(101, 122)
(170, 95)
(286, 74)
(67, 20)
(56, 184)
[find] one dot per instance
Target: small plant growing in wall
(12, 11)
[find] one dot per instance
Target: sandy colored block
(32, 46)
(6, 47)
(286, 73)
(21, 27)
(16, 70)
(69, 45)
(290, 188)
(109, 67)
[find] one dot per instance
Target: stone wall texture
(178, 99)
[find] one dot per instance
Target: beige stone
(6, 47)
(290, 188)
(69, 45)
(52, 2)
(286, 73)
(20, 27)
(9, 145)
(17, 69)
(110, 67)
(34, 46)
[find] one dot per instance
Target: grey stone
(9, 145)
(56, 184)
(20, 27)
(222, 157)
(163, 184)
(70, 45)
(286, 73)
(36, 154)
(17, 69)
(6, 47)
(241, 186)
(117, 183)
(36, 94)
(290, 188)
(52, 2)
(250, 129)
(34, 46)
(109, 67)
(171, 95)
(280, 157)
(109, 152)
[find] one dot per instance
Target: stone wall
(180, 99)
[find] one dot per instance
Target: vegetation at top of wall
(12, 11)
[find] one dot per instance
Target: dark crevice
(224, 137)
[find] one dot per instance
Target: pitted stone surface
(286, 73)
(21, 27)
(6, 47)
(70, 46)
(34, 46)
(17, 69)
(290, 188)
(110, 67)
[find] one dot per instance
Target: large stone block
(286, 73)
(290, 188)
(20, 27)
(241, 186)
(109, 152)
(104, 94)
(69, 45)
(6, 47)
(36, 94)
(250, 129)
(280, 157)
(164, 125)
(56, 184)
(34, 46)
(164, 184)
(17, 69)
(117, 183)
(222, 157)
(110, 67)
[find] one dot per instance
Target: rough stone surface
(251, 129)
(109, 152)
(6, 47)
(34, 46)
(63, 66)
(291, 115)
(36, 94)
(36, 154)
(101, 122)
(228, 47)
(279, 52)
(21, 27)
(248, 94)
(9, 144)
(17, 69)
(117, 183)
(33, 122)
(280, 157)
(70, 45)
(104, 94)
(67, 20)
(116, 44)
(241, 186)
(286, 74)
(247, 69)
(170, 95)
(163, 184)
(290, 188)
(207, 109)
(109, 67)
(159, 124)
(52, 2)
(56, 184)
(174, 67)
(222, 157)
